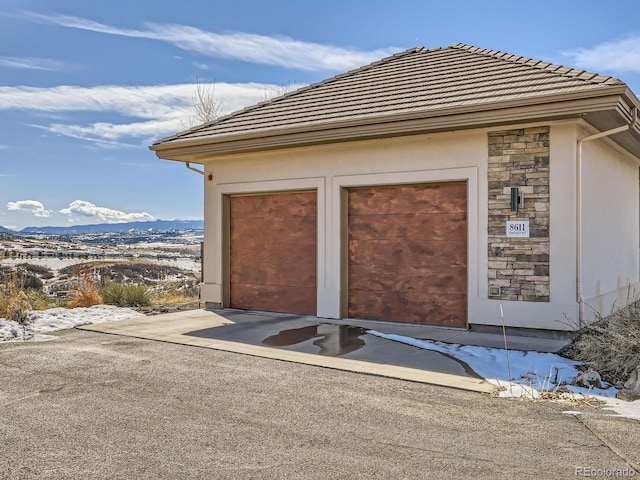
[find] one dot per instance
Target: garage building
(452, 187)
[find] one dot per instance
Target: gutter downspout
(588, 138)
(193, 169)
(201, 172)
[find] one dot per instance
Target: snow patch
(54, 319)
(524, 374)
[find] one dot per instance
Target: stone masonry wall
(519, 266)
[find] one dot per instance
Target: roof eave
(465, 117)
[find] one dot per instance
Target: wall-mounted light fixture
(516, 199)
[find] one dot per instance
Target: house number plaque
(518, 228)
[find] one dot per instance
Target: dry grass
(611, 345)
(547, 392)
(175, 297)
(14, 302)
(18, 298)
(84, 288)
(42, 301)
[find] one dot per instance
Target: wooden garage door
(408, 254)
(273, 252)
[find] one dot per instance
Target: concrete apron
(200, 327)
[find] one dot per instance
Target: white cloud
(107, 133)
(84, 133)
(134, 101)
(33, 206)
(30, 63)
(614, 56)
(163, 109)
(83, 209)
(269, 50)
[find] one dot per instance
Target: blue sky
(87, 86)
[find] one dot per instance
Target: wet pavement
(329, 343)
(307, 335)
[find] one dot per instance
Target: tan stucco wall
(610, 228)
(424, 158)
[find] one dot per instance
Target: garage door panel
(408, 199)
(425, 280)
(273, 252)
(274, 298)
(379, 307)
(276, 253)
(394, 252)
(444, 310)
(443, 227)
(273, 273)
(407, 307)
(283, 231)
(407, 253)
(277, 205)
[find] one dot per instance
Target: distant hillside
(6, 230)
(157, 225)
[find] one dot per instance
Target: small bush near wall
(611, 345)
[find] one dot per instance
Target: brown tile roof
(411, 82)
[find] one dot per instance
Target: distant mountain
(6, 230)
(157, 225)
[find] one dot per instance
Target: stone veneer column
(519, 266)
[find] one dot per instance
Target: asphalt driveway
(94, 405)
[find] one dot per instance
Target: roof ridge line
(258, 105)
(570, 72)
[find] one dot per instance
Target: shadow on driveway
(308, 335)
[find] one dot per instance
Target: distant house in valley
(430, 187)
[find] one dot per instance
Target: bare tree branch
(278, 91)
(206, 106)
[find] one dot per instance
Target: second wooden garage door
(272, 256)
(408, 254)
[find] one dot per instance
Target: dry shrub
(17, 308)
(14, 302)
(84, 288)
(126, 295)
(611, 345)
(42, 301)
